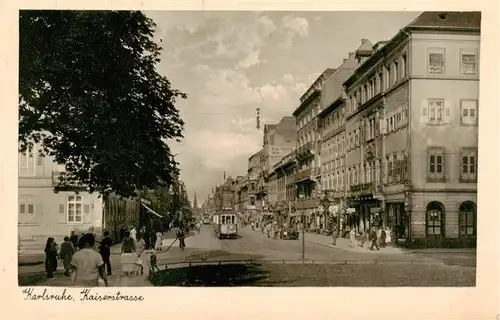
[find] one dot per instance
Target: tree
(90, 95)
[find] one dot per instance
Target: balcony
(60, 182)
(363, 188)
(305, 174)
(306, 150)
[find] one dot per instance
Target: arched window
(467, 219)
(435, 219)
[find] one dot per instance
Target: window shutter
(447, 116)
(424, 112)
(86, 213)
(37, 211)
(62, 218)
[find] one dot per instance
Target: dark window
(434, 225)
(467, 219)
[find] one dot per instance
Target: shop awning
(151, 210)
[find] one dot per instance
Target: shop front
(363, 213)
(397, 220)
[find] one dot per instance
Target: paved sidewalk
(343, 244)
(116, 279)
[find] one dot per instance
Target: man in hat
(373, 238)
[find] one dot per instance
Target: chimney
(351, 54)
(344, 60)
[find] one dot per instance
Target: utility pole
(303, 231)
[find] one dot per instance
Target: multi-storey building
(48, 210)
(412, 132)
(244, 203)
(331, 126)
(255, 176)
(284, 172)
(272, 187)
(307, 150)
(279, 140)
(224, 196)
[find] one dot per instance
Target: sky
(231, 62)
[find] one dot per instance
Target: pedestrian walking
(181, 236)
(50, 257)
(88, 265)
(352, 237)
(388, 239)
(373, 238)
(66, 254)
(334, 235)
(382, 238)
(128, 256)
(140, 247)
(153, 261)
(74, 239)
(159, 241)
(133, 233)
(105, 251)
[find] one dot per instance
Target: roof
(366, 48)
(269, 126)
(325, 74)
(462, 19)
(337, 102)
(433, 21)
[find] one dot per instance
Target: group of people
(87, 261)
(80, 260)
(379, 237)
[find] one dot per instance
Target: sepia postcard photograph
(243, 148)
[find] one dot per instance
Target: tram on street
(225, 225)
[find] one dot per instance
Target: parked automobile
(290, 234)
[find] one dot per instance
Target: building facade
(279, 140)
(46, 210)
(284, 208)
(307, 172)
(331, 126)
(412, 129)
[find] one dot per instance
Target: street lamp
(407, 192)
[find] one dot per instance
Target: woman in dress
(159, 241)
(128, 256)
(352, 237)
(50, 257)
(140, 246)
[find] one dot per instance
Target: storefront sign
(374, 210)
(350, 210)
